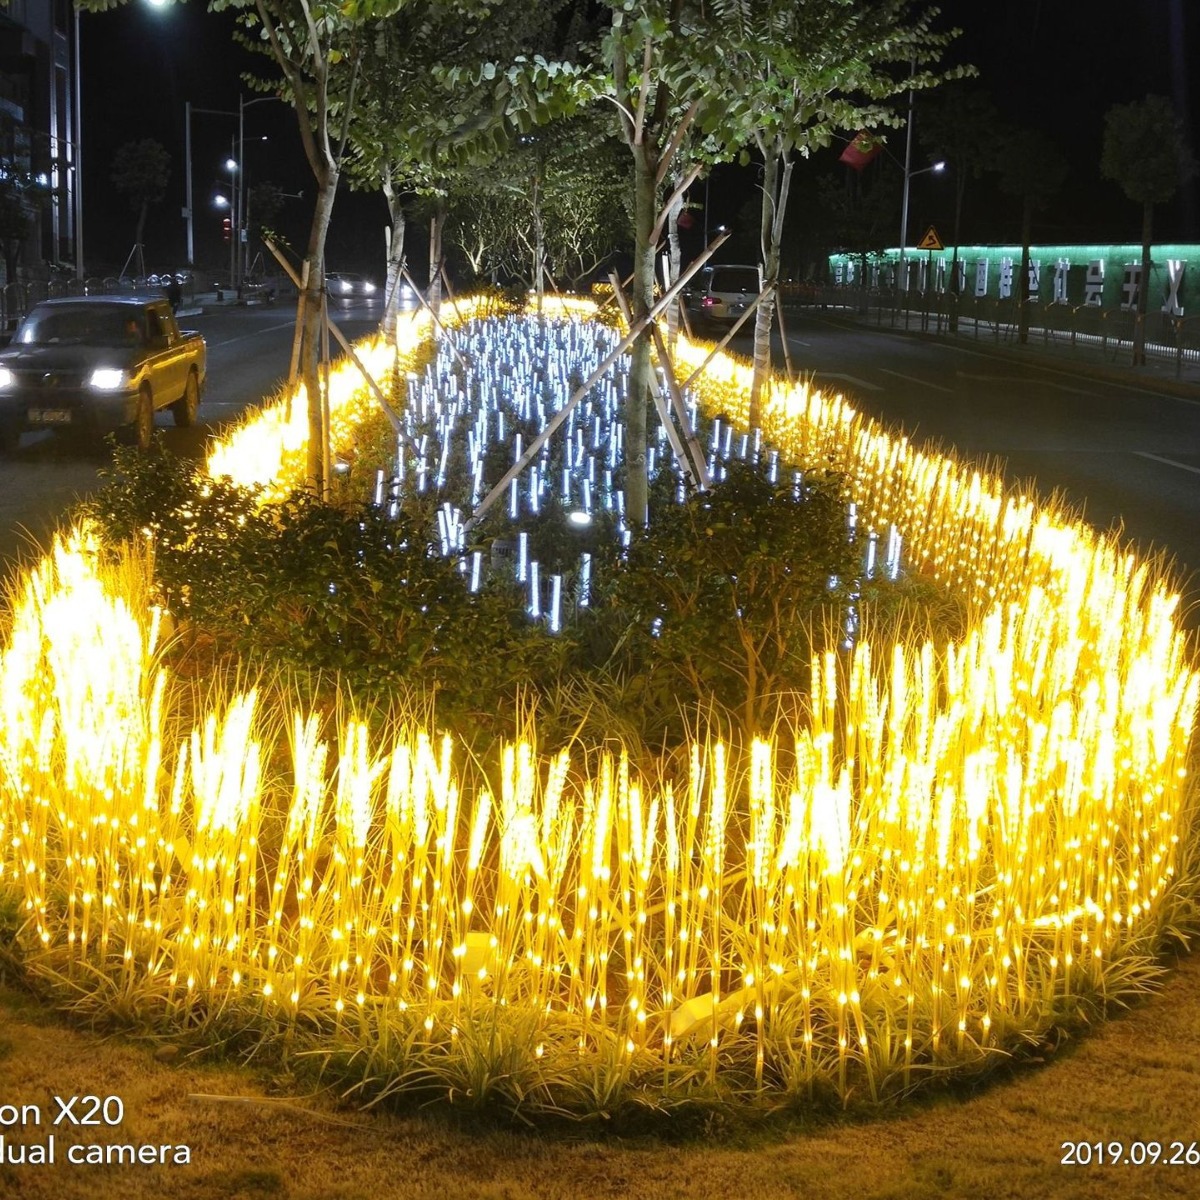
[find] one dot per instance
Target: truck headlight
(6, 378)
(369, 288)
(108, 379)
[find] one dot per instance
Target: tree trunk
(955, 293)
(642, 301)
(437, 225)
(317, 462)
(1023, 290)
(539, 245)
(674, 261)
(775, 196)
(395, 256)
(1139, 324)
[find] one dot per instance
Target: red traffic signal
(227, 229)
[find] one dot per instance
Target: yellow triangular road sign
(930, 241)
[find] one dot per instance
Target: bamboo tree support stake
(302, 288)
(442, 330)
(393, 418)
(325, 430)
(787, 353)
(624, 283)
(660, 400)
(722, 343)
(582, 390)
(690, 459)
(450, 293)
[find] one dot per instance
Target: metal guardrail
(16, 299)
(1074, 326)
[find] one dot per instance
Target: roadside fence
(16, 299)
(1075, 327)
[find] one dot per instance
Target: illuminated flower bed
(956, 847)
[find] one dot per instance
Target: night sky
(1045, 63)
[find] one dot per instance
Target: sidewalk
(203, 302)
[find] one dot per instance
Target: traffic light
(227, 229)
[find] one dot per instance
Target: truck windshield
(86, 326)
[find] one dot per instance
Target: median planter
(942, 849)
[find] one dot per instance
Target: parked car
(344, 285)
(721, 294)
(90, 365)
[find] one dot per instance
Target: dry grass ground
(1135, 1078)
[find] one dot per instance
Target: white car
(344, 285)
(722, 293)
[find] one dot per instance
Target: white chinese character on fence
(1035, 278)
(981, 269)
(849, 270)
(1061, 268)
(940, 284)
(1006, 278)
(837, 273)
(1129, 288)
(962, 276)
(1175, 269)
(1093, 287)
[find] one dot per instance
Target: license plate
(50, 416)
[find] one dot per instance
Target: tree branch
(639, 121)
(676, 141)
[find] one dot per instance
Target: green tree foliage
(722, 596)
(430, 119)
(858, 208)
(557, 201)
(140, 172)
(794, 74)
(1146, 154)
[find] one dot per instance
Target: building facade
(1094, 275)
(38, 128)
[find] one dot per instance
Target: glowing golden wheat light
(962, 839)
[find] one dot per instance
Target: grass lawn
(1135, 1078)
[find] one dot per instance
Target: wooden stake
(632, 336)
(660, 400)
(722, 343)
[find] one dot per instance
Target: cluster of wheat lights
(955, 843)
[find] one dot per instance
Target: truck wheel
(143, 424)
(185, 408)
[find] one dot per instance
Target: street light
(909, 175)
(231, 165)
(188, 109)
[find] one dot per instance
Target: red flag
(864, 147)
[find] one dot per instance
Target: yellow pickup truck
(88, 365)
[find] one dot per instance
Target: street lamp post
(237, 200)
(78, 155)
(937, 168)
(231, 165)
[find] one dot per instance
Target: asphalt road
(249, 350)
(1125, 455)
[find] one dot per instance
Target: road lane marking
(241, 337)
(1169, 461)
(1062, 387)
(937, 387)
(854, 379)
